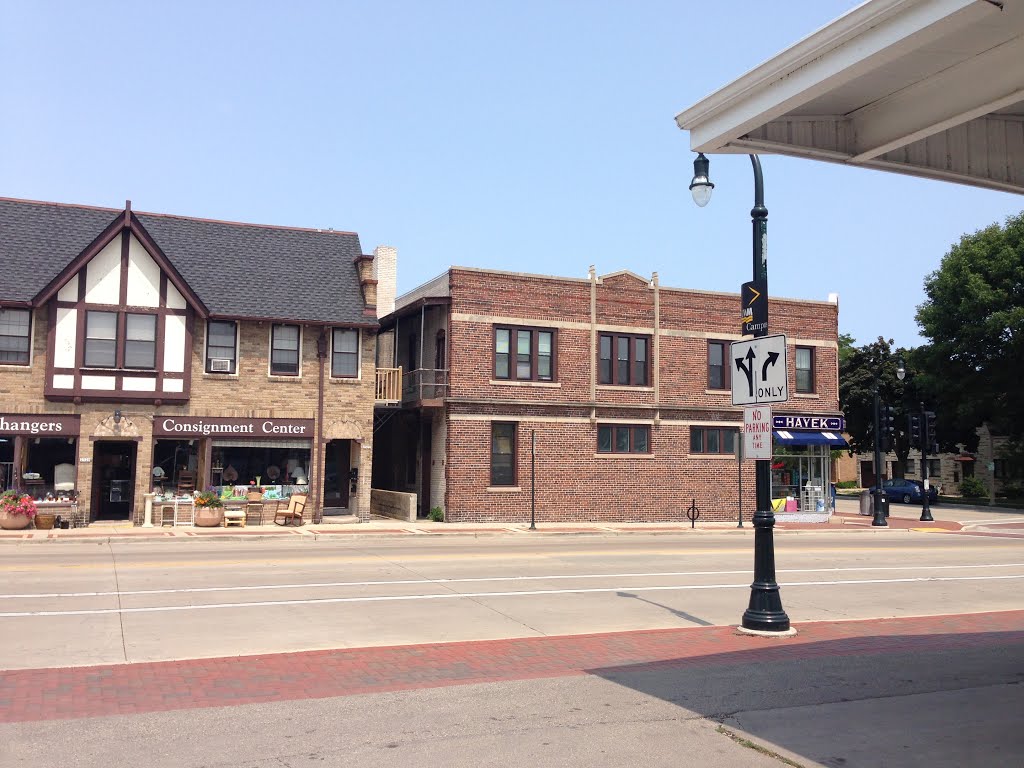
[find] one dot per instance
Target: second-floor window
(15, 336)
(718, 365)
(284, 350)
(934, 467)
(100, 340)
(804, 369)
(624, 359)
(524, 354)
(345, 353)
(140, 341)
(221, 346)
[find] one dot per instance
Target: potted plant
(209, 509)
(16, 510)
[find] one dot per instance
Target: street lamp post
(764, 612)
(879, 512)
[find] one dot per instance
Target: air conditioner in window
(220, 365)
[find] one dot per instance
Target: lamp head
(701, 186)
(117, 416)
(901, 372)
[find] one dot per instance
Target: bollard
(693, 513)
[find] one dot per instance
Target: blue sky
(528, 136)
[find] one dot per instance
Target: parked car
(908, 491)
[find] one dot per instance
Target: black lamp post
(764, 612)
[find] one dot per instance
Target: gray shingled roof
(237, 270)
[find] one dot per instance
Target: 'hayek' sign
(808, 421)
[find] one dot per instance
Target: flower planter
(209, 517)
(45, 520)
(14, 522)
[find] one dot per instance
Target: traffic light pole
(879, 512)
(926, 511)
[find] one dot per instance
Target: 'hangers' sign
(204, 426)
(58, 425)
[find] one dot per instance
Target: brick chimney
(385, 270)
(364, 264)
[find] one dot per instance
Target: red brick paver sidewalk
(74, 692)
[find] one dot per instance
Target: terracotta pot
(209, 517)
(45, 520)
(14, 522)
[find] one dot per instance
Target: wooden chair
(293, 512)
(254, 507)
(186, 481)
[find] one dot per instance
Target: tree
(859, 372)
(846, 347)
(973, 317)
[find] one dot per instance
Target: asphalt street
(150, 601)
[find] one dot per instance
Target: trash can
(885, 504)
(866, 503)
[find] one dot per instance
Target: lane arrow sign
(772, 357)
(748, 368)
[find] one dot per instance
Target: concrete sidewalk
(99, 532)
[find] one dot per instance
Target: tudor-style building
(144, 352)
(604, 398)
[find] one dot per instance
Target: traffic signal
(888, 427)
(930, 436)
(915, 430)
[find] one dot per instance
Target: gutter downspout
(321, 353)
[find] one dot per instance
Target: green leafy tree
(846, 346)
(860, 371)
(973, 317)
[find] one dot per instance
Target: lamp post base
(926, 516)
(765, 612)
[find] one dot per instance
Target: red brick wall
(572, 482)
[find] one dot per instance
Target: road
(133, 602)
(852, 689)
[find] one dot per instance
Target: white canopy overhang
(929, 88)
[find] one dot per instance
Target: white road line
(466, 595)
(400, 582)
(1002, 521)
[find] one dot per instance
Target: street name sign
(757, 432)
(759, 370)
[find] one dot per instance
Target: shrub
(14, 503)
(847, 484)
(1012, 491)
(972, 488)
(437, 515)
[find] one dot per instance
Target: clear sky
(517, 135)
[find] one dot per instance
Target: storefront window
(280, 467)
(800, 478)
(49, 470)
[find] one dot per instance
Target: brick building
(614, 388)
(144, 351)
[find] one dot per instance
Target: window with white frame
(100, 340)
(221, 346)
(284, 350)
(15, 336)
(345, 353)
(140, 341)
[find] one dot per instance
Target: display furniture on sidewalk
(293, 512)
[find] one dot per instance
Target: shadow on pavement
(952, 700)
